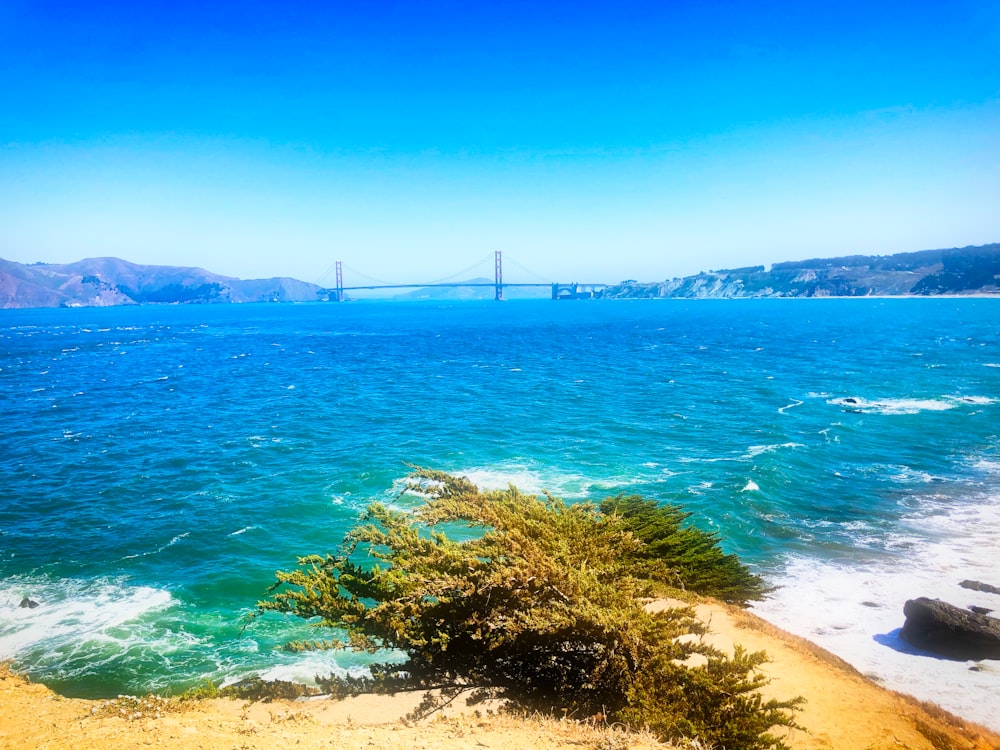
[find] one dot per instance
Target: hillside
(480, 288)
(101, 282)
(967, 270)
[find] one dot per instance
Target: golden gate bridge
(575, 290)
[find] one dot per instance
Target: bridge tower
(340, 282)
(498, 277)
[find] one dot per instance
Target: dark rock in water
(980, 586)
(979, 610)
(942, 628)
(27, 603)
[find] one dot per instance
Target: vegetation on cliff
(538, 603)
(102, 282)
(97, 282)
(964, 270)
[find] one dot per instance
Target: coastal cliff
(102, 282)
(967, 270)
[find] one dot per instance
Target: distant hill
(484, 289)
(967, 270)
(100, 282)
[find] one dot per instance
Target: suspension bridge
(575, 290)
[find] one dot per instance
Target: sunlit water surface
(158, 464)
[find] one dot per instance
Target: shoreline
(853, 605)
(844, 709)
(439, 300)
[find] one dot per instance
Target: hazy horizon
(636, 140)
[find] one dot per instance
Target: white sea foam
(987, 466)
(751, 486)
(159, 549)
(893, 406)
(757, 450)
(617, 483)
(700, 488)
(525, 479)
(304, 669)
(978, 400)
(909, 475)
(854, 608)
(529, 480)
(795, 402)
(69, 611)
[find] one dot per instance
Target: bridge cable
(464, 271)
(511, 261)
(323, 276)
(364, 276)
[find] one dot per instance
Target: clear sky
(587, 141)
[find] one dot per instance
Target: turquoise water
(158, 464)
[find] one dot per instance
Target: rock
(979, 610)
(980, 586)
(942, 628)
(27, 603)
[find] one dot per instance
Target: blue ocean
(159, 463)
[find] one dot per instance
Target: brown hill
(100, 282)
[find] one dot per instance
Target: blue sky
(587, 141)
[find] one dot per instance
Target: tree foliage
(538, 605)
(693, 556)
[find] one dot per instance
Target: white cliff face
(805, 277)
(969, 270)
(703, 286)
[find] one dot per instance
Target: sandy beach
(844, 710)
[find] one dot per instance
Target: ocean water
(158, 464)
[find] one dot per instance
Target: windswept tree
(531, 601)
(690, 559)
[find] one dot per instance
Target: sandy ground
(844, 711)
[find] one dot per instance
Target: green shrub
(692, 556)
(539, 607)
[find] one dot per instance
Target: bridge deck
(491, 285)
(559, 291)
